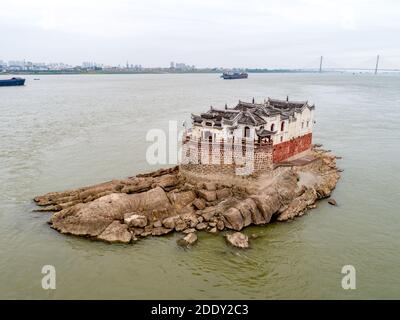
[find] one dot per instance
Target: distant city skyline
(27, 65)
(253, 34)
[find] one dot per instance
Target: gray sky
(251, 33)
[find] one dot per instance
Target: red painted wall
(288, 149)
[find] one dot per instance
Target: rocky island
(287, 176)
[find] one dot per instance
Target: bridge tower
(377, 63)
(320, 64)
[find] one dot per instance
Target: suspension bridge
(373, 64)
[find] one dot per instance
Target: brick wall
(219, 158)
(288, 149)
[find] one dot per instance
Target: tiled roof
(262, 133)
(252, 113)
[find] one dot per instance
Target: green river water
(74, 130)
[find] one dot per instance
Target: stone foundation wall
(220, 158)
(285, 150)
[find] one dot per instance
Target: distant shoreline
(146, 72)
(103, 72)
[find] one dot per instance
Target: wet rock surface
(238, 240)
(116, 232)
(188, 240)
(332, 202)
(164, 201)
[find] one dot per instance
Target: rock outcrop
(188, 240)
(238, 240)
(166, 200)
(116, 232)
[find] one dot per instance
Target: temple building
(276, 130)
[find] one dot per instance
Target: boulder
(224, 193)
(157, 224)
(135, 220)
(137, 231)
(238, 240)
(233, 219)
(158, 231)
(187, 187)
(181, 199)
(332, 202)
(153, 200)
(209, 196)
(139, 185)
(250, 213)
(298, 206)
(116, 232)
(328, 183)
(208, 213)
(189, 209)
(90, 219)
(167, 181)
(210, 186)
(169, 222)
(201, 226)
(188, 240)
(213, 230)
(199, 203)
(189, 230)
(190, 219)
(267, 204)
(245, 212)
(220, 225)
(180, 225)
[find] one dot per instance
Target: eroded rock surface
(238, 240)
(166, 200)
(116, 232)
(188, 240)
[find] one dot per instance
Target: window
(246, 132)
(209, 124)
(308, 122)
(302, 125)
(210, 138)
(283, 125)
(281, 138)
(272, 127)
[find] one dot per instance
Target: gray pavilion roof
(262, 133)
(250, 113)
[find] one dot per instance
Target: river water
(73, 130)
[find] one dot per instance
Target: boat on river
(234, 75)
(12, 82)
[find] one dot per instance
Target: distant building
(91, 66)
(172, 65)
(16, 65)
(180, 66)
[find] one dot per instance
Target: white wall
(292, 129)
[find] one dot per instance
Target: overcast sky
(251, 33)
